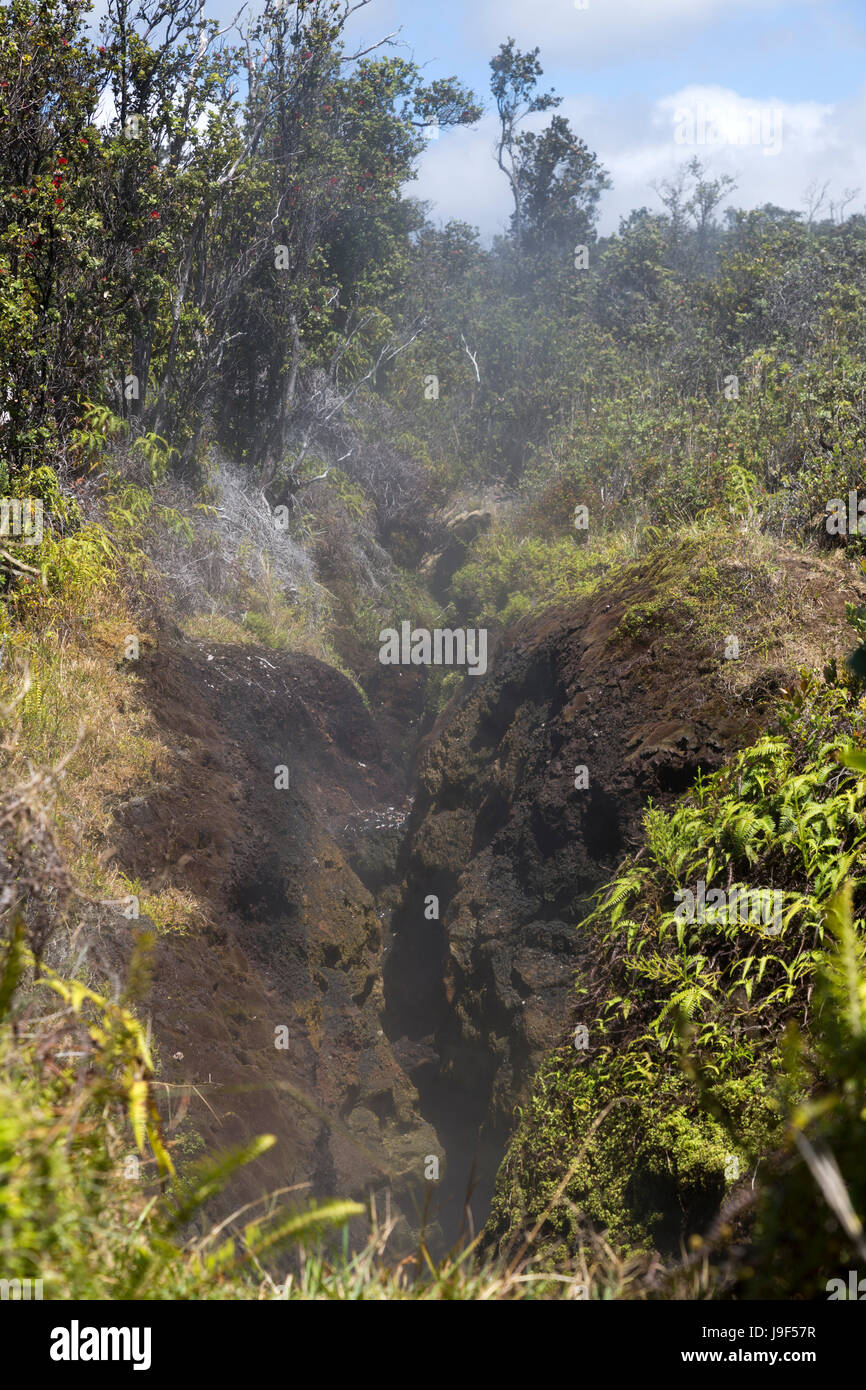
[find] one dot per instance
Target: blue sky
(797, 48)
(791, 73)
(772, 92)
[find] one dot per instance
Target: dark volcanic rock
(513, 849)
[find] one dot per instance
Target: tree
(53, 329)
(334, 169)
(559, 182)
(692, 195)
(514, 79)
(705, 196)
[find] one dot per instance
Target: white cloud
(773, 149)
(459, 175)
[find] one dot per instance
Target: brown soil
(292, 936)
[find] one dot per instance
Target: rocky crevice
(507, 836)
(411, 1034)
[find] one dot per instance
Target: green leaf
(299, 1224)
(210, 1176)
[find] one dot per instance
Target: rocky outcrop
(461, 523)
(417, 952)
(532, 789)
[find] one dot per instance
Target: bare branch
(473, 358)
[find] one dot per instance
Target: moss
(509, 573)
(650, 1164)
(439, 688)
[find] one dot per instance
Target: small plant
(99, 426)
(157, 453)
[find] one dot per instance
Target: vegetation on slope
(697, 1042)
(241, 371)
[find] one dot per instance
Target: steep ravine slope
(634, 685)
(411, 1036)
(292, 938)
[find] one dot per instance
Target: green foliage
(97, 428)
(70, 1213)
(353, 498)
(157, 453)
(809, 1221)
(509, 573)
(688, 1064)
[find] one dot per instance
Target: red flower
(58, 202)
(62, 160)
(155, 215)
